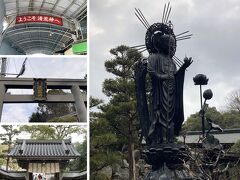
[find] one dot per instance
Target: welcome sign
(39, 18)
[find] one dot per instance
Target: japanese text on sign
(39, 18)
(40, 89)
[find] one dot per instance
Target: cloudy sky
(214, 47)
(74, 67)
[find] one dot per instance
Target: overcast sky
(74, 67)
(214, 47)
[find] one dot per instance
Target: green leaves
(122, 62)
(79, 164)
(103, 159)
(51, 132)
(103, 143)
(236, 147)
(114, 125)
(52, 111)
(95, 102)
(225, 120)
(119, 86)
(10, 132)
(104, 140)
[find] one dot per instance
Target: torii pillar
(2, 93)
(79, 104)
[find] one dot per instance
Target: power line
(32, 69)
(15, 65)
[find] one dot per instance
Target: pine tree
(120, 112)
(8, 138)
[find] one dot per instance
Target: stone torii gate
(78, 97)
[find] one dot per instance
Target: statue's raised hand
(187, 62)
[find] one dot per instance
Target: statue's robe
(166, 112)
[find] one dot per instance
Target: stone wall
(120, 171)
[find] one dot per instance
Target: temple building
(45, 158)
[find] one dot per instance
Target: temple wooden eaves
(43, 156)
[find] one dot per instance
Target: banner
(39, 18)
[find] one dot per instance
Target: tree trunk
(131, 159)
(7, 165)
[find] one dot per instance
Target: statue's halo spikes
(158, 27)
(165, 24)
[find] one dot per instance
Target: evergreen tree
(79, 164)
(8, 139)
(121, 110)
(104, 141)
(103, 150)
(119, 115)
(52, 111)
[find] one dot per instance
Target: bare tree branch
(233, 101)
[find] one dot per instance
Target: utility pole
(3, 67)
(2, 88)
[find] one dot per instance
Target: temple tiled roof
(44, 149)
(227, 138)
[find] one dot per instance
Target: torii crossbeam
(78, 97)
